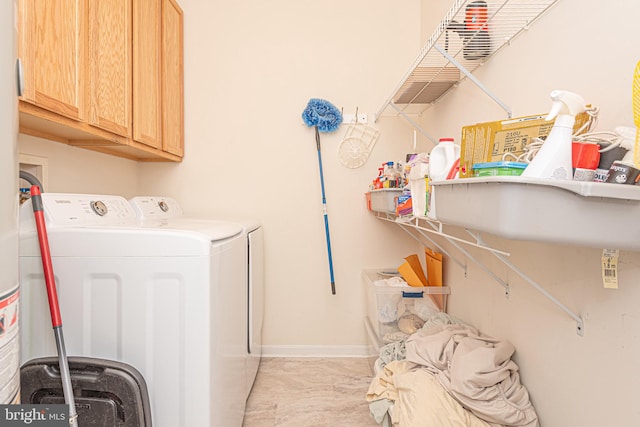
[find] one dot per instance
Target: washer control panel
(83, 209)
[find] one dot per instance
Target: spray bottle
(554, 157)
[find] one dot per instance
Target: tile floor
(310, 392)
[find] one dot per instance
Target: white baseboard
(316, 351)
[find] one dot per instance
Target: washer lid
(110, 242)
(87, 225)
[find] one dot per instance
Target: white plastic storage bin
(583, 213)
(385, 199)
(392, 310)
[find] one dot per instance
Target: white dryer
(161, 211)
(169, 301)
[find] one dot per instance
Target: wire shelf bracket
(437, 228)
(574, 316)
(473, 78)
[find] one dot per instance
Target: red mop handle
(47, 266)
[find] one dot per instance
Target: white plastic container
(418, 181)
(385, 200)
(580, 213)
(386, 304)
(442, 158)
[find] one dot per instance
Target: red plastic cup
(585, 155)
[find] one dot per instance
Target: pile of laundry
(449, 374)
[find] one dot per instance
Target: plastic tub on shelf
(385, 200)
(592, 214)
(367, 200)
(387, 305)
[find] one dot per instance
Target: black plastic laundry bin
(107, 393)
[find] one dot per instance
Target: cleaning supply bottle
(442, 158)
(380, 179)
(418, 183)
(554, 159)
(399, 174)
(386, 178)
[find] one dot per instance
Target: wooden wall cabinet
(173, 77)
(51, 46)
(94, 75)
(147, 69)
(109, 27)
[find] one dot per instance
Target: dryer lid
(213, 229)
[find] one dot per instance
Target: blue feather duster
(325, 117)
(322, 114)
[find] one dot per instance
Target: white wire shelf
(426, 227)
(471, 32)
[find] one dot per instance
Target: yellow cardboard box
(489, 141)
(412, 272)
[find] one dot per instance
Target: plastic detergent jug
(442, 158)
(418, 182)
(554, 160)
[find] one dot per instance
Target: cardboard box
(489, 141)
(411, 271)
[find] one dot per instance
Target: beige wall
(76, 170)
(250, 69)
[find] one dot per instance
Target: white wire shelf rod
(579, 321)
(484, 268)
(461, 264)
(438, 228)
(414, 124)
(477, 82)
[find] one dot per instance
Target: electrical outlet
(351, 118)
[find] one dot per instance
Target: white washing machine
(160, 211)
(169, 301)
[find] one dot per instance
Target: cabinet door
(110, 65)
(172, 79)
(147, 110)
(51, 45)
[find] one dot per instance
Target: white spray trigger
(565, 103)
(555, 110)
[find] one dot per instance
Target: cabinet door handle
(19, 77)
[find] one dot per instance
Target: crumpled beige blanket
(476, 370)
(418, 399)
